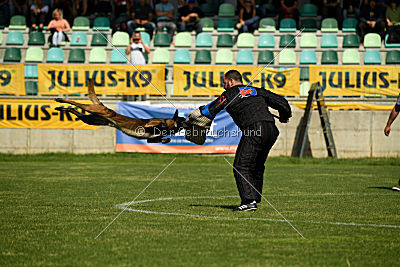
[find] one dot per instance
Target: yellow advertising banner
(208, 80)
(12, 79)
(356, 80)
(41, 114)
(108, 79)
(348, 106)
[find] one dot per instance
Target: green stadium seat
(304, 73)
(287, 57)
(266, 40)
(203, 57)
(204, 39)
(55, 54)
(1, 38)
(36, 38)
(162, 39)
(225, 25)
(120, 39)
(225, 40)
(183, 39)
(308, 57)
(118, 56)
(208, 9)
(208, 24)
(270, 9)
(287, 25)
(226, 10)
(245, 57)
(390, 45)
(145, 38)
(12, 54)
(351, 41)
(308, 10)
(349, 25)
(81, 24)
(308, 40)
(99, 39)
(34, 54)
(98, 55)
(31, 71)
(246, 40)
(267, 25)
(308, 25)
(161, 56)
(31, 87)
(329, 40)
(287, 40)
(329, 57)
(393, 57)
(329, 25)
(182, 56)
(15, 38)
(76, 55)
(351, 56)
(17, 23)
(372, 56)
(101, 24)
(372, 40)
(266, 57)
(78, 39)
(224, 56)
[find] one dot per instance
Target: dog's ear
(175, 115)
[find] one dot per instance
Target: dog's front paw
(60, 100)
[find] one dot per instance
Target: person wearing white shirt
(137, 50)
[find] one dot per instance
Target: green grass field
(52, 207)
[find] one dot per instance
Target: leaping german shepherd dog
(154, 130)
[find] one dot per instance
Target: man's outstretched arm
(392, 117)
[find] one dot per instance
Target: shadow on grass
(380, 187)
(230, 207)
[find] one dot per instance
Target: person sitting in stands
(142, 15)
(247, 15)
(190, 18)
(38, 14)
(371, 20)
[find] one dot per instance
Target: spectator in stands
(190, 18)
(247, 17)
(67, 8)
(137, 50)
(393, 22)
(20, 7)
(38, 14)
(141, 16)
(5, 10)
(332, 9)
(121, 7)
(103, 7)
(58, 26)
(289, 9)
(371, 20)
(80, 8)
(165, 14)
(351, 8)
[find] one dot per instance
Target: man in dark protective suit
(248, 107)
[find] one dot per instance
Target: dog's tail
(92, 93)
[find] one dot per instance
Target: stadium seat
(145, 38)
(393, 57)
(287, 25)
(351, 40)
(81, 24)
(308, 40)
(36, 38)
(266, 40)
(161, 56)
(266, 57)
(34, 54)
(208, 24)
(101, 24)
(203, 57)
(208, 9)
(309, 25)
(372, 56)
(270, 9)
(224, 56)
(31, 71)
(329, 57)
(329, 25)
(349, 25)
(390, 45)
(118, 56)
(99, 39)
(304, 73)
(183, 39)
(287, 57)
(98, 55)
(162, 39)
(182, 56)
(246, 40)
(121, 39)
(225, 25)
(55, 54)
(15, 38)
(351, 56)
(308, 57)
(17, 23)
(1, 38)
(372, 40)
(12, 54)
(329, 40)
(78, 39)
(245, 57)
(267, 25)
(287, 40)
(308, 10)
(226, 10)
(31, 87)
(76, 55)
(204, 39)
(225, 40)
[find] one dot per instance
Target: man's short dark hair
(234, 74)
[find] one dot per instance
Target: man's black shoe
(246, 207)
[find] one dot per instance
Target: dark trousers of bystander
(363, 28)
